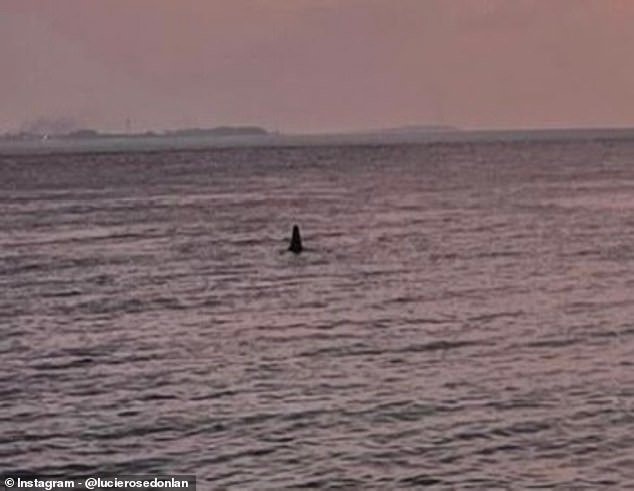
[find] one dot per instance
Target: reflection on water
(461, 318)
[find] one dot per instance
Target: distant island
(87, 133)
(220, 131)
(66, 138)
(424, 128)
(60, 131)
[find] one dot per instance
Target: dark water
(463, 318)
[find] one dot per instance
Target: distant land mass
(418, 129)
(36, 132)
(92, 141)
(219, 131)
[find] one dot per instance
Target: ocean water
(462, 318)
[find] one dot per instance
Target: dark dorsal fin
(296, 241)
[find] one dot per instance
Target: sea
(462, 316)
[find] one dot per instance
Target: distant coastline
(93, 141)
(88, 140)
(87, 133)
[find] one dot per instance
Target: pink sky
(318, 65)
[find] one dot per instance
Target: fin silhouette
(296, 241)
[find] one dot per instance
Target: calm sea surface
(462, 318)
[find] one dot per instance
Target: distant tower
(128, 126)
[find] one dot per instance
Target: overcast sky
(317, 65)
